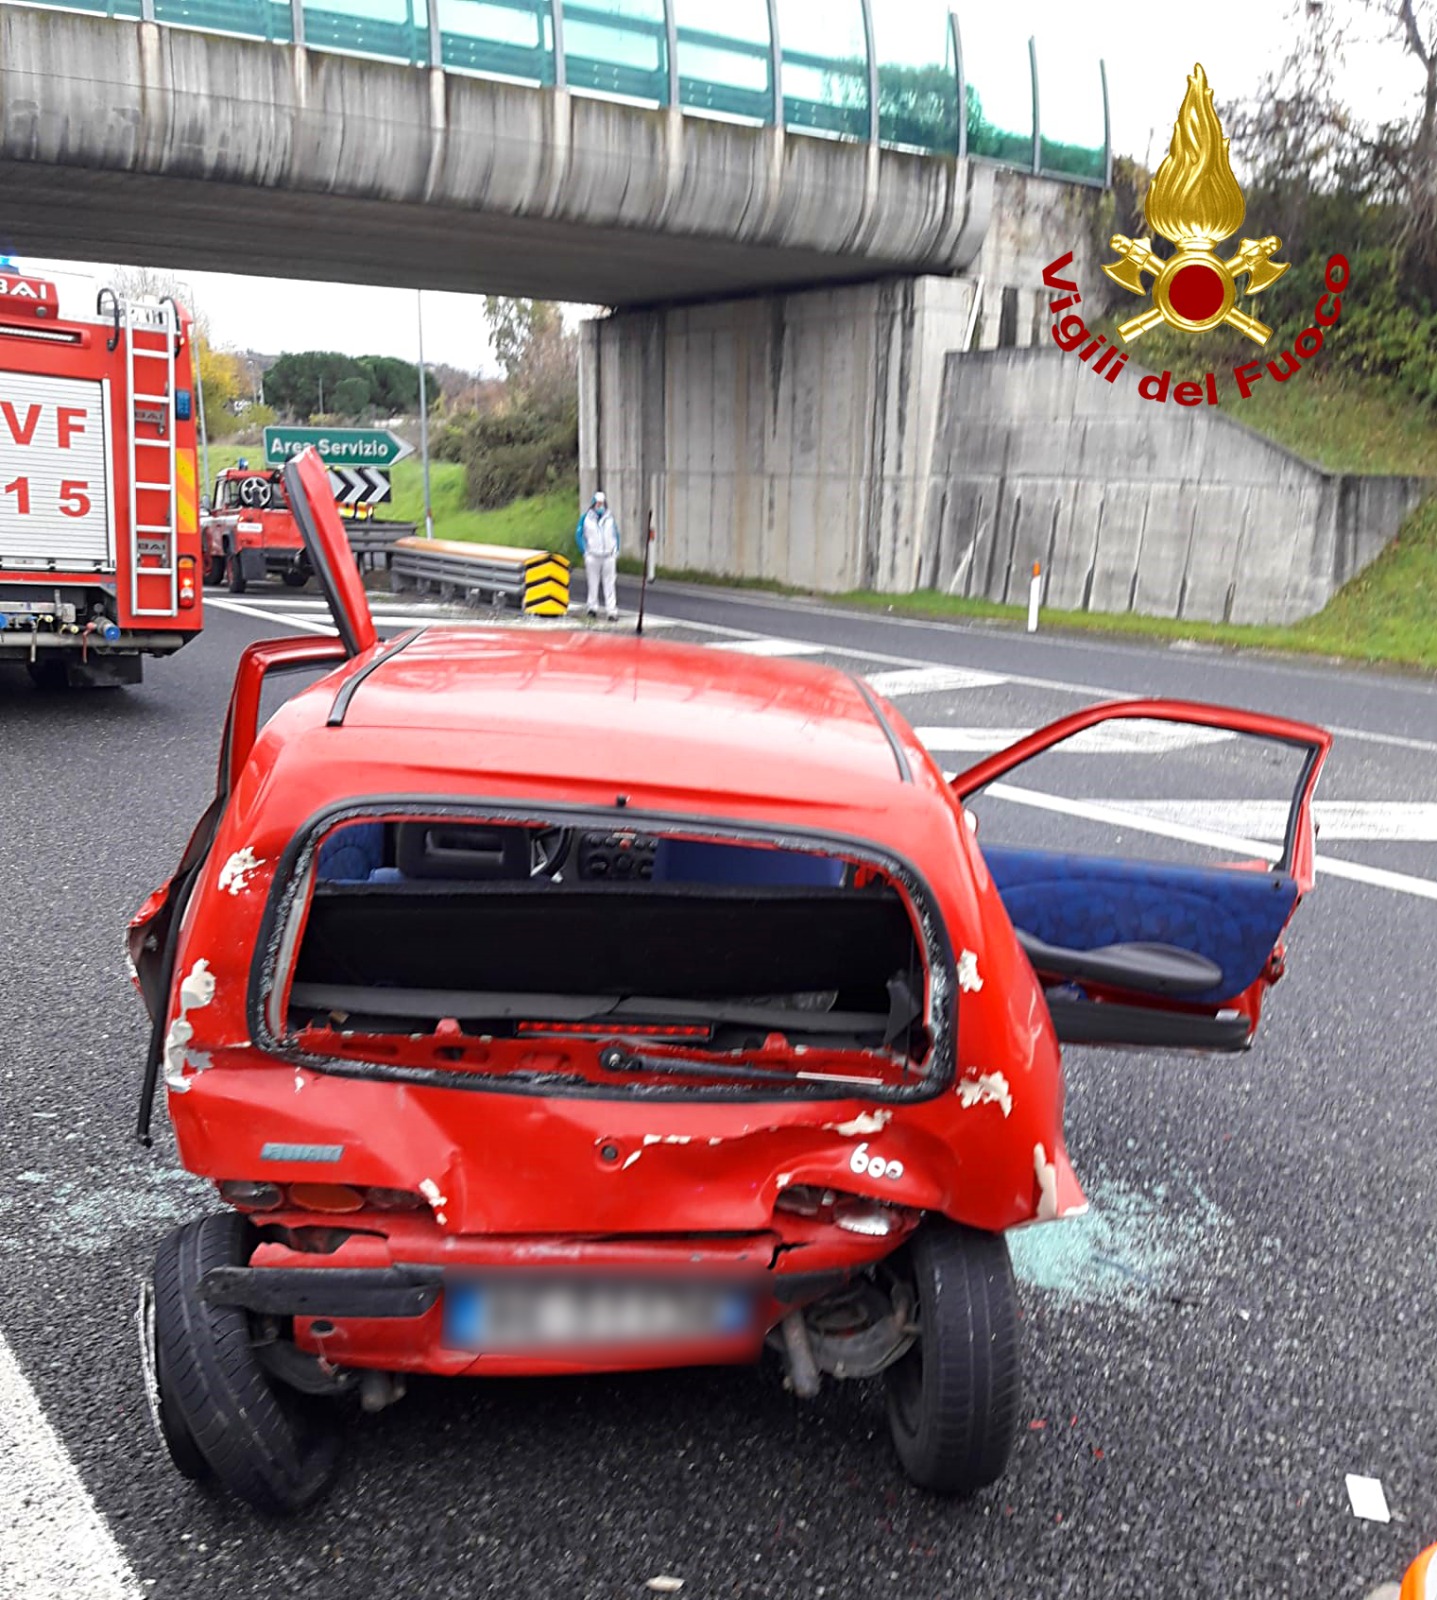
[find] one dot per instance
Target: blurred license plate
(511, 1315)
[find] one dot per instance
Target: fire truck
(249, 532)
(99, 524)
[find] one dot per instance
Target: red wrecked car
(552, 1003)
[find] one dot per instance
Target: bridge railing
(891, 72)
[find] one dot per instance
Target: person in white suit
(598, 539)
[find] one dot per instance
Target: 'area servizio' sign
(338, 447)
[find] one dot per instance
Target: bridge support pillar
(785, 436)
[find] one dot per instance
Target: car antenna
(644, 580)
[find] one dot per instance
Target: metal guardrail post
(296, 21)
(147, 10)
(436, 36)
(1107, 129)
(1037, 122)
(775, 64)
(957, 39)
(561, 71)
(671, 37)
(872, 48)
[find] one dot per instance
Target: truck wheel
(234, 573)
(267, 1445)
(215, 571)
(953, 1399)
(295, 578)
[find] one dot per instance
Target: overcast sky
(1149, 50)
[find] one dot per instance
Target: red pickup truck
(249, 532)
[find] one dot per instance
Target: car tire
(214, 571)
(270, 1447)
(953, 1399)
(295, 580)
(234, 574)
(177, 1439)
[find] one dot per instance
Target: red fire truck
(249, 532)
(99, 526)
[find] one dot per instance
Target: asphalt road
(1246, 1316)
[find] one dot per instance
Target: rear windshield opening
(629, 956)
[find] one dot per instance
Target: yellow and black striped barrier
(535, 582)
(546, 586)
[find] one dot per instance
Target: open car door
(306, 482)
(1150, 951)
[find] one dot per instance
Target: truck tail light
(187, 582)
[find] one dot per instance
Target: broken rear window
(607, 959)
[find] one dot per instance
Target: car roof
(639, 710)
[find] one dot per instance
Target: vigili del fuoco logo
(1195, 202)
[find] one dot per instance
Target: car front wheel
(216, 1406)
(953, 1399)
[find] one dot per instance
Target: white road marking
(296, 614)
(56, 1545)
(1381, 738)
(1120, 816)
(929, 679)
(769, 647)
(1108, 738)
(1372, 821)
(243, 609)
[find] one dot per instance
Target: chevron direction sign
(359, 486)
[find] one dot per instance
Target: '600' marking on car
(875, 1166)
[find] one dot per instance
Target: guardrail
(373, 541)
(533, 581)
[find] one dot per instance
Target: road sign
(338, 447)
(358, 486)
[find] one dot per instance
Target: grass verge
(1387, 614)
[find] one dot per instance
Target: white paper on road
(54, 1544)
(1367, 1497)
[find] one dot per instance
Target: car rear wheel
(215, 570)
(296, 578)
(234, 573)
(267, 1445)
(953, 1399)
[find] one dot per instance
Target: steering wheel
(548, 851)
(254, 493)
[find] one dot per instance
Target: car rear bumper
(391, 1316)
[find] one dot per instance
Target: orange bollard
(1421, 1580)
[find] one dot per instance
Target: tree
(539, 357)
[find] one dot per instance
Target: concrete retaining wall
(785, 436)
(840, 439)
(1131, 505)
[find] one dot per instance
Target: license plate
(513, 1316)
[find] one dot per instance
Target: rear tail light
(853, 1213)
(187, 582)
(252, 1196)
(325, 1197)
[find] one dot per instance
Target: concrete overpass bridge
(797, 209)
(611, 151)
